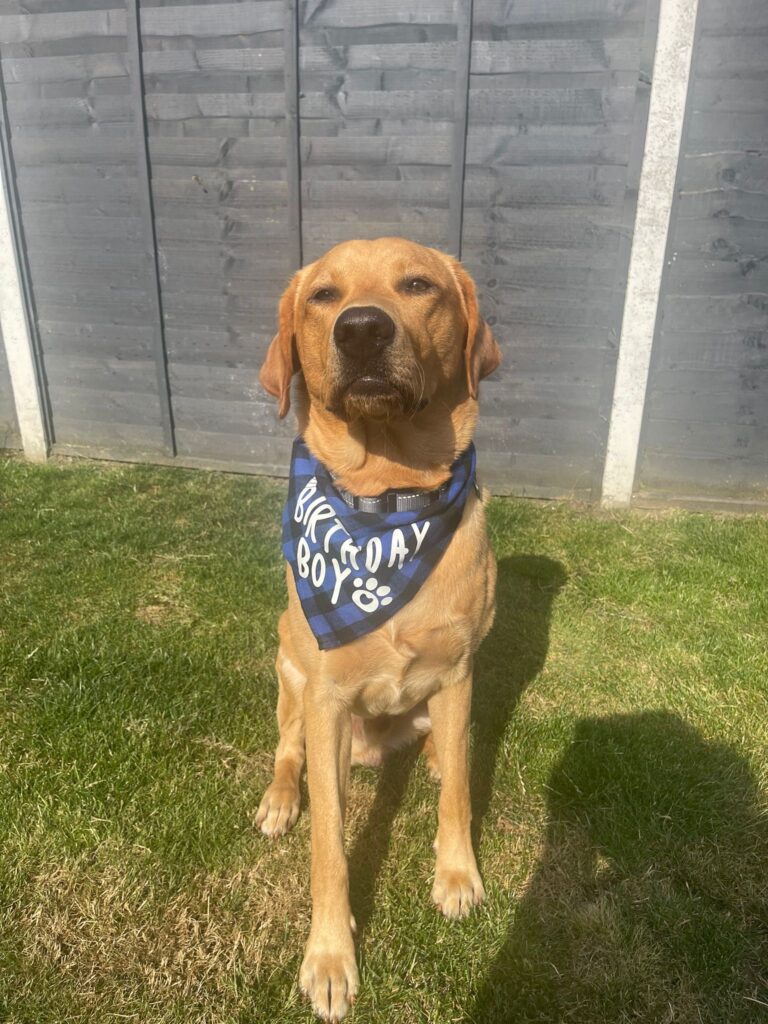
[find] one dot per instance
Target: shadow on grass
(510, 658)
(650, 898)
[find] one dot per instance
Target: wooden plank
(686, 350)
(736, 169)
(198, 84)
(175, 107)
(723, 395)
(224, 19)
(703, 476)
(120, 341)
(731, 57)
(369, 13)
(41, 147)
(745, 311)
(48, 224)
(70, 111)
(499, 147)
(551, 106)
(569, 186)
(199, 59)
(427, 56)
(745, 15)
(695, 278)
(113, 194)
(77, 435)
(536, 475)
(80, 67)
(718, 204)
(25, 28)
(101, 373)
(265, 454)
(720, 131)
(712, 439)
(500, 13)
(725, 95)
(577, 55)
(532, 437)
(73, 313)
(99, 406)
(229, 415)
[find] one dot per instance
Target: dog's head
(380, 329)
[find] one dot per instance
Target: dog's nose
(361, 332)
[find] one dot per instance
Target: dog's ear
(482, 354)
(282, 359)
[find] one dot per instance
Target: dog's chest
(401, 668)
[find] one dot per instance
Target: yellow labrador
(387, 347)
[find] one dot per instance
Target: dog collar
(393, 500)
(357, 561)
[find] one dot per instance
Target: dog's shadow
(648, 900)
(510, 658)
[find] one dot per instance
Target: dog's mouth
(372, 393)
(372, 386)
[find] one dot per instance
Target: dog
(385, 347)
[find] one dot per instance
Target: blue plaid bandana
(355, 569)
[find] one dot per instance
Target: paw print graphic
(371, 596)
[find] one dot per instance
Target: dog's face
(380, 329)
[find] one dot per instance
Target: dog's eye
(324, 295)
(417, 285)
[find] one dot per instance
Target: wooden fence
(169, 164)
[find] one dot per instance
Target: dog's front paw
(330, 980)
(456, 891)
(278, 810)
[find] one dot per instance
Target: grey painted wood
(549, 204)
(705, 434)
(293, 133)
(73, 139)
(461, 81)
(145, 203)
(511, 132)
(370, 75)
(222, 107)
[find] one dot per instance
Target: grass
(620, 770)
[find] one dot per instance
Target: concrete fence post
(669, 91)
(17, 330)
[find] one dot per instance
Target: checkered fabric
(355, 569)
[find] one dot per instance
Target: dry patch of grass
(109, 934)
(167, 602)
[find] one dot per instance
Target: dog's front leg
(457, 885)
(329, 971)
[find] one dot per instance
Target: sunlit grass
(620, 760)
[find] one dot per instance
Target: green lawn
(620, 771)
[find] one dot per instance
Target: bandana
(356, 569)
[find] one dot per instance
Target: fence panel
(557, 111)
(275, 127)
(72, 127)
(378, 84)
(214, 78)
(705, 434)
